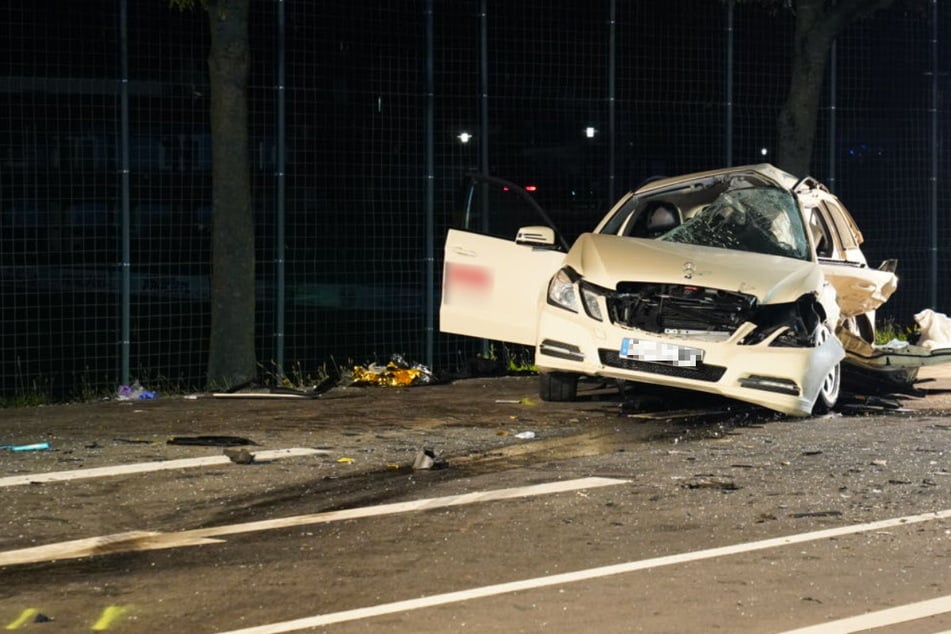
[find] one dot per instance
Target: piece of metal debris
(425, 459)
(816, 514)
(210, 441)
(703, 482)
(239, 455)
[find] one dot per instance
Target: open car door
(492, 287)
(492, 279)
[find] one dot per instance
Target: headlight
(590, 298)
(561, 290)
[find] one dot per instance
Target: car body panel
(491, 286)
(859, 289)
(599, 257)
(904, 356)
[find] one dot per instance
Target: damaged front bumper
(782, 378)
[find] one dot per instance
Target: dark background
(359, 240)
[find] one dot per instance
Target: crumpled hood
(605, 260)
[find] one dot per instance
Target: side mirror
(889, 266)
(536, 236)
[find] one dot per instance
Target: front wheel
(558, 386)
(829, 390)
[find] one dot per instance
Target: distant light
(590, 132)
(531, 188)
(763, 151)
(464, 137)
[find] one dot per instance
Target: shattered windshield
(757, 219)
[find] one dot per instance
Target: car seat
(661, 219)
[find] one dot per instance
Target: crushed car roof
(773, 173)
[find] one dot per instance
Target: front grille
(699, 372)
(673, 308)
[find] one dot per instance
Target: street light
(464, 137)
(590, 132)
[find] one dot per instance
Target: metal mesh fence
(364, 119)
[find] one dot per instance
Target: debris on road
(239, 455)
(396, 373)
(286, 390)
(134, 392)
(425, 459)
(29, 615)
(273, 392)
(210, 441)
(39, 446)
(710, 482)
(525, 435)
(816, 514)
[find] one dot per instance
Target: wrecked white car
(737, 282)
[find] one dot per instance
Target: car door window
(849, 236)
(498, 208)
(821, 235)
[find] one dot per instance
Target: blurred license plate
(660, 352)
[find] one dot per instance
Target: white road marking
(581, 575)
(144, 467)
(147, 540)
(102, 545)
(891, 616)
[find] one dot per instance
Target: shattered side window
(754, 219)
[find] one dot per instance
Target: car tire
(558, 386)
(831, 384)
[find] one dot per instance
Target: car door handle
(469, 253)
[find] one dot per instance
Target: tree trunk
(796, 126)
(231, 354)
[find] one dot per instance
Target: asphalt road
(662, 518)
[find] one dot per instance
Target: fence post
(484, 121)
(612, 96)
(934, 155)
(833, 86)
(728, 88)
(430, 202)
(280, 186)
(484, 94)
(125, 294)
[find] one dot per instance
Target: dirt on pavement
(472, 424)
